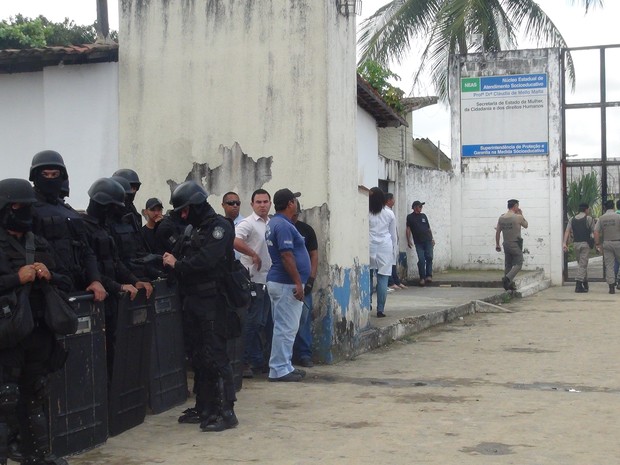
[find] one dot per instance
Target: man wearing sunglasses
(231, 204)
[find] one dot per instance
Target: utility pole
(103, 27)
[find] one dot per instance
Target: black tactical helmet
(124, 183)
(106, 191)
(16, 191)
(48, 158)
(129, 175)
(188, 193)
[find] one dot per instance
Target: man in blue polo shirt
(289, 272)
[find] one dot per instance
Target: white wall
(367, 148)
(70, 109)
(481, 186)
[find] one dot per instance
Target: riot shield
(168, 378)
(78, 402)
(128, 390)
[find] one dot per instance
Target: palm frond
(387, 34)
(537, 24)
(447, 26)
(589, 3)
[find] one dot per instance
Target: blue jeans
(286, 312)
(303, 341)
(382, 286)
(253, 327)
(425, 259)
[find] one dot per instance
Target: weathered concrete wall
(481, 186)
(71, 109)
(242, 95)
(431, 186)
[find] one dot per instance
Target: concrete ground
(534, 383)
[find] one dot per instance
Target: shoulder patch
(218, 232)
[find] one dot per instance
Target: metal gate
(591, 140)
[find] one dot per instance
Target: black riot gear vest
(581, 231)
(103, 247)
(63, 228)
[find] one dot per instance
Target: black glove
(308, 287)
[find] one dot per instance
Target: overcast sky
(599, 27)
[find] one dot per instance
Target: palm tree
(447, 27)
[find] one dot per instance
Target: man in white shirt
(250, 243)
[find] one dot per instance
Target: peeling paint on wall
(238, 172)
(345, 311)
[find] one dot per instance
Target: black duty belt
(203, 286)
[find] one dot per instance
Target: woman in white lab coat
(382, 232)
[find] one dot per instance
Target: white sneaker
(389, 289)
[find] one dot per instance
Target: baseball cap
(153, 202)
(282, 197)
(417, 203)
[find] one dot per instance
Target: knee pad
(37, 392)
(9, 396)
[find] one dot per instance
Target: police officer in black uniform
(134, 181)
(62, 226)
(24, 367)
(170, 228)
(200, 262)
(131, 246)
(105, 193)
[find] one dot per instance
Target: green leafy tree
(447, 27)
(21, 32)
(586, 189)
(377, 76)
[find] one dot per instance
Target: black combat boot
(579, 287)
(4, 439)
(586, 286)
(226, 420)
(209, 415)
(190, 415)
(612, 289)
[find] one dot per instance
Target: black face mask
(97, 210)
(129, 198)
(50, 188)
(196, 214)
(19, 220)
(116, 212)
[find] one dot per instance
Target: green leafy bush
(377, 76)
(22, 32)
